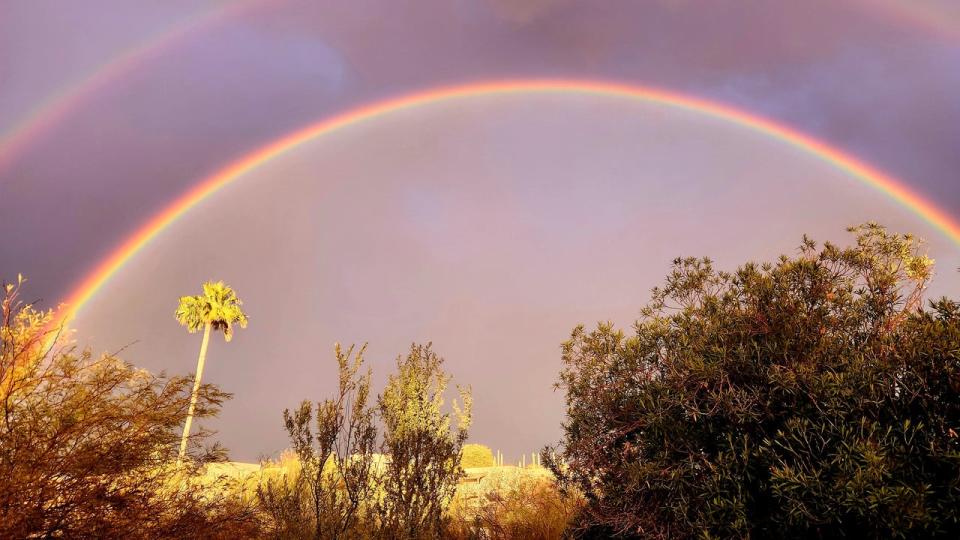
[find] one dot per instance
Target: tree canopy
(218, 306)
(814, 396)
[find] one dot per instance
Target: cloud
(522, 11)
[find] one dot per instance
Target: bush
(511, 506)
(423, 445)
(326, 491)
(333, 485)
(811, 397)
(476, 455)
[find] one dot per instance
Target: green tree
(422, 444)
(811, 397)
(218, 309)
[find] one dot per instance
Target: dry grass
(496, 503)
(509, 502)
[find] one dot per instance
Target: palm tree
(218, 308)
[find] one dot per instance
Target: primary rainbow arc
(211, 184)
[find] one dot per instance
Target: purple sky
(491, 226)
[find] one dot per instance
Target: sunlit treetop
(218, 306)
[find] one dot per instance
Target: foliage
(87, 444)
(513, 506)
(810, 397)
(336, 486)
(218, 306)
(329, 494)
(476, 455)
(423, 446)
(282, 499)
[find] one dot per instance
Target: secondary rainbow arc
(924, 14)
(52, 110)
(869, 175)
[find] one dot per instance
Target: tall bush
(423, 442)
(329, 494)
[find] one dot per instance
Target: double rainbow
(45, 116)
(211, 184)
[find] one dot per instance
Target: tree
(422, 445)
(87, 443)
(476, 455)
(218, 309)
(336, 463)
(812, 397)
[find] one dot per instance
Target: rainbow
(58, 106)
(211, 184)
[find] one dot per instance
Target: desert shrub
(326, 491)
(88, 444)
(513, 506)
(476, 455)
(811, 397)
(283, 499)
(421, 473)
(333, 485)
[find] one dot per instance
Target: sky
(490, 225)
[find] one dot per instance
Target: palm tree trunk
(196, 391)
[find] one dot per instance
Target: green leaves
(806, 397)
(423, 443)
(219, 306)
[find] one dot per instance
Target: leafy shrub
(810, 397)
(476, 455)
(423, 447)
